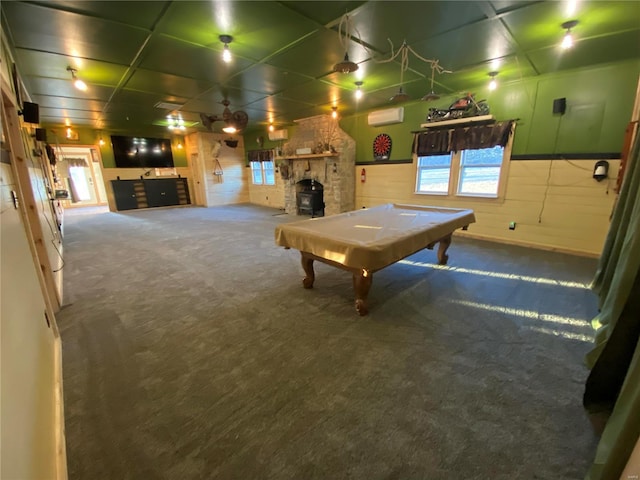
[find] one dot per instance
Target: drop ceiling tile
(399, 21)
(69, 113)
(156, 82)
(236, 97)
(175, 57)
(138, 13)
(40, 28)
(323, 12)
(53, 65)
(266, 79)
(64, 88)
(143, 99)
(467, 46)
(258, 28)
(69, 103)
(539, 25)
(595, 50)
(326, 49)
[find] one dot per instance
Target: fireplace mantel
(310, 156)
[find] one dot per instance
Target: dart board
(382, 147)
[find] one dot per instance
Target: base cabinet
(160, 192)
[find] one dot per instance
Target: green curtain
(614, 381)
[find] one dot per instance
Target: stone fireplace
(329, 170)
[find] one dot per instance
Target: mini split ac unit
(278, 135)
(386, 117)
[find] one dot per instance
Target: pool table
(367, 240)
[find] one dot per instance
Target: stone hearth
(335, 171)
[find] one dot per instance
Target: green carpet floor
(191, 351)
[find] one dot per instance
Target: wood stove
(309, 198)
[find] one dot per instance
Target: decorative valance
(443, 141)
(261, 155)
(75, 161)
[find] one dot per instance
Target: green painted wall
(599, 106)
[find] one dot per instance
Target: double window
(468, 161)
(262, 173)
(468, 172)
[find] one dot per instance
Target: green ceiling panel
(64, 88)
(42, 64)
(539, 25)
(326, 49)
(69, 103)
(55, 31)
(237, 97)
(266, 79)
(378, 22)
(156, 82)
(463, 47)
(322, 12)
(168, 55)
(68, 113)
(143, 99)
(613, 48)
(137, 13)
(259, 28)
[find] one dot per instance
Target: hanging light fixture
(493, 84)
(403, 53)
(175, 122)
(79, 84)
(346, 65)
(334, 112)
(567, 40)
(359, 93)
(271, 127)
(226, 53)
(432, 95)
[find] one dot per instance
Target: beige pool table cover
(375, 237)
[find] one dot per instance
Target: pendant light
(346, 65)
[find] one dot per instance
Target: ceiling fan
(234, 121)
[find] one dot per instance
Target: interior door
(82, 176)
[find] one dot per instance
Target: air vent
(168, 106)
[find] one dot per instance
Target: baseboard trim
(520, 243)
(60, 438)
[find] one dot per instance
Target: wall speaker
(31, 112)
(41, 134)
(560, 105)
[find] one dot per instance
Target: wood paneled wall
(556, 204)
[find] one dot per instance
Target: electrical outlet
(512, 225)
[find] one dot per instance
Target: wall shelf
(309, 156)
(459, 121)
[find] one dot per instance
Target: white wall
(575, 207)
(230, 187)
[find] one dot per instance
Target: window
(480, 171)
(433, 174)
(468, 172)
(262, 173)
(469, 160)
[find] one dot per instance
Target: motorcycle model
(466, 106)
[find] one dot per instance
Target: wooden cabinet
(159, 192)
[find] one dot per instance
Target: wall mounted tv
(141, 152)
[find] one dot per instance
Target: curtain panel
(261, 155)
(443, 141)
(613, 385)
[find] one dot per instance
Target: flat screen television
(141, 152)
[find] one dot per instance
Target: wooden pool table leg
(443, 245)
(307, 266)
(361, 285)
